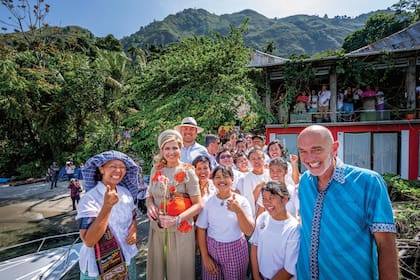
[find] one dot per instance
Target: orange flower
(156, 176)
(159, 166)
(180, 176)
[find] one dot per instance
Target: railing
(43, 240)
(354, 116)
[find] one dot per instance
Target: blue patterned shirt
(338, 224)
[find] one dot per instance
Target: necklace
(222, 202)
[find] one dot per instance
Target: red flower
(156, 176)
(180, 176)
(172, 189)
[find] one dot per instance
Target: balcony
(360, 116)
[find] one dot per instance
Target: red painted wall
(412, 127)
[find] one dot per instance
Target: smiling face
(113, 172)
(223, 182)
(202, 170)
(274, 204)
(189, 134)
(225, 158)
(317, 150)
(256, 158)
(277, 173)
(275, 151)
(171, 152)
(242, 163)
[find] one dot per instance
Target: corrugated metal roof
(261, 59)
(406, 39)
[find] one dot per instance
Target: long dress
(180, 245)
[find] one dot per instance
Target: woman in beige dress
(172, 183)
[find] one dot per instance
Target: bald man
(348, 228)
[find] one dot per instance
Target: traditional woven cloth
(130, 180)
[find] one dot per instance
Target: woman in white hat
(172, 201)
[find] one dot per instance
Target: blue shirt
(338, 224)
(193, 151)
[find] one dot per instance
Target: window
(376, 151)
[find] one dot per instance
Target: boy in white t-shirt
(275, 240)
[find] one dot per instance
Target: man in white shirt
(324, 97)
(191, 149)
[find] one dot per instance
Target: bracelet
(178, 221)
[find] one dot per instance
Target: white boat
(43, 264)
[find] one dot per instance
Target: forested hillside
(299, 34)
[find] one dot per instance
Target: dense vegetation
(65, 95)
(299, 34)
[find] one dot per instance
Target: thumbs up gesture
(111, 196)
(233, 204)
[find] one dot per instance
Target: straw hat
(189, 121)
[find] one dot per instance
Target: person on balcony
(324, 97)
(357, 92)
(313, 99)
(369, 99)
(301, 102)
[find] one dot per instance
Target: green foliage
(298, 34)
(33, 169)
(200, 77)
(377, 26)
(297, 77)
(401, 189)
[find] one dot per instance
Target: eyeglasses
(114, 167)
(225, 156)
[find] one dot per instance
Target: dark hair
(238, 155)
(210, 138)
(222, 150)
(201, 158)
(240, 140)
(277, 188)
(225, 170)
(278, 161)
(98, 176)
(274, 142)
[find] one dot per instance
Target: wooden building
(382, 139)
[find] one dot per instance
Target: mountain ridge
(297, 34)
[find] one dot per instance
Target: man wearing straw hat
(191, 149)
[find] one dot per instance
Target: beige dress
(180, 246)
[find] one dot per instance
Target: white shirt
(247, 184)
(119, 221)
(324, 98)
(277, 244)
(222, 224)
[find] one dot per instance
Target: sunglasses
(225, 156)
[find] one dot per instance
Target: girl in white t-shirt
(278, 170)
(275, 241)
(221, 226)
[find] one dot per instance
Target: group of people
(247, 207)
(349, 100)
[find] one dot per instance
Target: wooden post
(333, 89)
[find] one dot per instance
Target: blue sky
(125, 17)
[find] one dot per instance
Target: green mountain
(299, 34)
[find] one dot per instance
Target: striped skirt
(231, 259)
